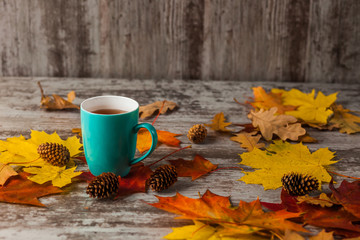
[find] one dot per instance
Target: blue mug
(109, 126)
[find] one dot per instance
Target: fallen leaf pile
(215, 218)
(338, 211)
(21, 152)
(277, 120)
(315, 110)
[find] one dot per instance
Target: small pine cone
(297, 184)
(197, 133)
(54, 153)
(163, 177)
(103, 186)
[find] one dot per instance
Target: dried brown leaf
(248, 140)
(6, 172)
(150, 109)
(57, 102)
(270, 124)
(323, 200)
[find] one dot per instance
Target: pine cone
(297, 184)
(54, 153)
(103, 186)
(163, 177)
(197, 133)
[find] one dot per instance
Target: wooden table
(76, 216)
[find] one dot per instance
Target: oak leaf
(144, 139)
(150, 109)
(23, 152)
(246, 218)
(270, 124)
(57, 102)
(282, 158)
(263, 100)
(248, 140)
(194, 168)
(23, 191)
(218, 123)
(59, 176)
(309, 109)
(343, 119)
(6, 172)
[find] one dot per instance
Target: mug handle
(154, 137)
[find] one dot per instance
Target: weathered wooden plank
(75, 216)
(301, 41)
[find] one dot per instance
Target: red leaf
(86, 176)
(333, 219)
(135, 181)
(194, 168)
(23, 191)
(287, 202)
(348, 195)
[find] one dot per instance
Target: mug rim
(108, 96)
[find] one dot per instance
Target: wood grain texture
(76, 216)
(242, 40)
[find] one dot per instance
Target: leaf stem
(242, 104)
(17, 163)
(169, 155)
(41, 90)
(162, 106)
(341, 175)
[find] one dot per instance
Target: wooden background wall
(245, 40)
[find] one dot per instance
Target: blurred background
(242, 40)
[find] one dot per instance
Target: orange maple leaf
(23, 191)
(165, 137)
(218, 123)
(209, 205)
(268, 100)
(194, 168)
(215, 209)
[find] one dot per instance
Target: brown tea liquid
(109, 111)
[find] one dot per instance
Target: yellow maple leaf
(23, 152)
(281, 158)
(270, 124)
(310, 109)
(59, 176)
(347, 122)
(248, 140)
(218, 123)
(200, 231)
